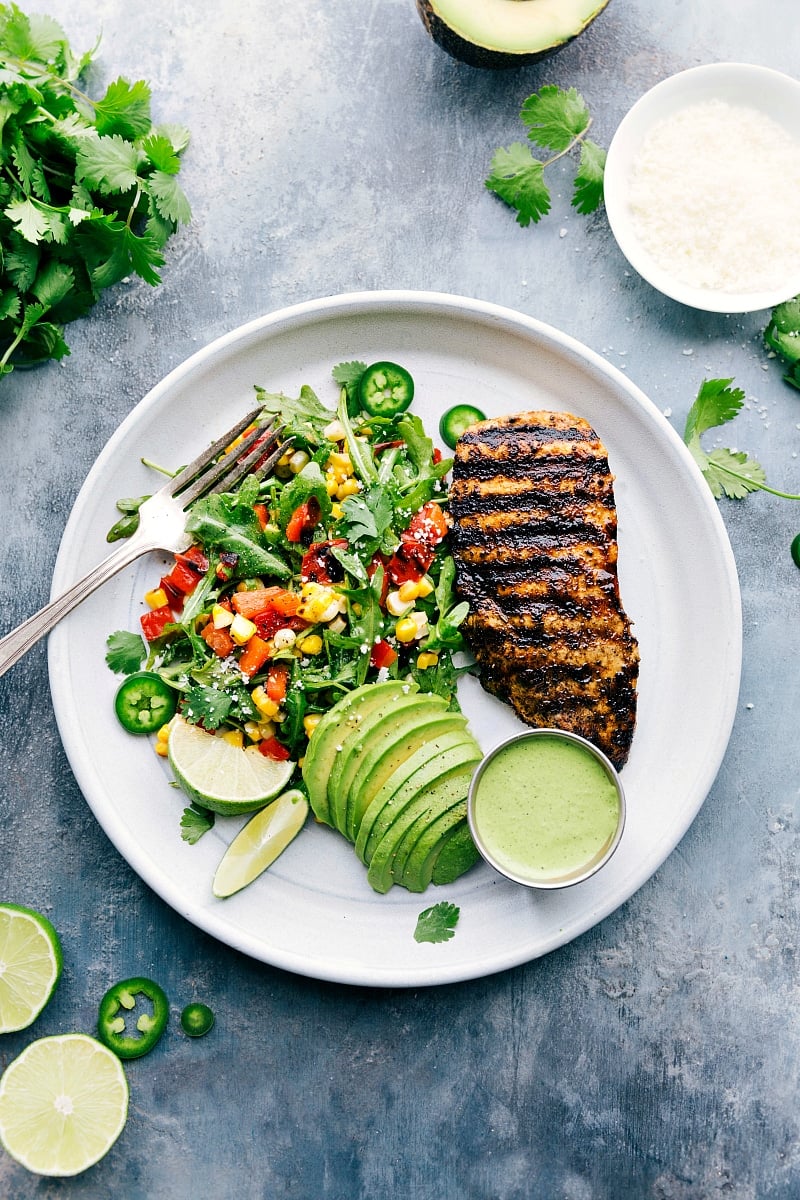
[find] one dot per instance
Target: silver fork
(162, 522)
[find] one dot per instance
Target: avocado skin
(483, 56)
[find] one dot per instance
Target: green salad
(300, 589)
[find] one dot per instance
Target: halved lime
(63, 1104)
(30, 965)
(258, 844)
(221, 777)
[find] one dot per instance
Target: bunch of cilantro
(88, 188)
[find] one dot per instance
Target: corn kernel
(311, 722)
(421, 623)
(339, 465)
(156, 598)
(267, 729)
(297, 461)
(249, 585)
(337, 625)
(408, 591)
(396, 605)
(311, 588)
(163, 734)
(405, 630)
(284, 639)
(331, 484)
(427, 659)
(335, 432)
(311, 645)
(161, 749)
(336, 510)
(425, 587)
(241, 629)
(348, 487)
(301, 761)
(253, 731)
(222, 617)
(234, 737)
(265, 706)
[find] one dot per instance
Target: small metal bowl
(590, 865)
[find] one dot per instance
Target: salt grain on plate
(715, 198)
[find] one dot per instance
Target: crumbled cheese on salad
(715, 198)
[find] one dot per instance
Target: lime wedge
(30, 965)
(264, 837)
(63, 1104)
(221, 777)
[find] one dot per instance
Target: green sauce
(545, 809)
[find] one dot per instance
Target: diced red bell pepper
(197, 556)
(183, 578)
(303, 520)
(428, 526)
(262, 512)
(403, 568)
(155, 621)
(218, 640)
(383, 655)
(254, 655)
(277, 682)
(319, 565)
(271, 748)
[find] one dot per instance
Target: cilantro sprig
(557, 121)
(88, 187)
(730, 473)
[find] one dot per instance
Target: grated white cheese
(715, 198)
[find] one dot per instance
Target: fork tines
(221, 466)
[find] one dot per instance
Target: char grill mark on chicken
(535, 545)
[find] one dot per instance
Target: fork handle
(20, 640)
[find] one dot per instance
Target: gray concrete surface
(655, 1058)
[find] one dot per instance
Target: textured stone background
(336, 148)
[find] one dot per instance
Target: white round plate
(775, 95)
(313, 911)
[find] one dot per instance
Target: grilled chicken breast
(534, 540)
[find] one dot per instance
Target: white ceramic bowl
(775, 95)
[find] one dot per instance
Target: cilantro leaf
(195, 821)
(124, 109)
(368, 515)
(733, 474)
(518, 179)
(437, 924)
(554, 118)
(348, 374)
(126, 652)
(207, 706)
(588, 189)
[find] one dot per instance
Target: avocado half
(506, 33)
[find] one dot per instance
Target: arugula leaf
(558, 121)
(207, 706)
(437, 924)
(195, 821)
(223, 523)
(728, 473)
(126, 652)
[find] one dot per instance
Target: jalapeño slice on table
(144, 702)
(133, 1015)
